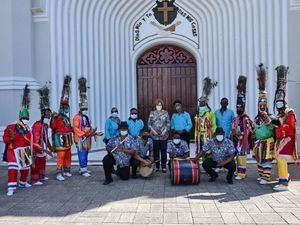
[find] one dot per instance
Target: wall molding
(18, 83)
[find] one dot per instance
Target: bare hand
(148, 163)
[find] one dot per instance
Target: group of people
(222, 139)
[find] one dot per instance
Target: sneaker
(258, 179)
(217, 170)
(60, 177)
(68, 174)
(164, 170)
(37, 183)
(281, 187)
(86, 174)
(89, 171)
(156, 170)
(263, 182)
(10, 192)
(24, 185)
(106, 182)
(238, 178)
(46, 178)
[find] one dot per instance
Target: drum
(146, 171)
(23, 157)
(62, 141)
(184, 171)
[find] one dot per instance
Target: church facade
(132, 51)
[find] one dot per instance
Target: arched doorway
(167, 72)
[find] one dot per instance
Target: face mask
(158, 107)
(84, 112)
(176, 141)
(26, 122)
(202, 108)
(123, 132)
(66, 111)
(279, 105)
(46, 120)
(134, 116)
(114, 114)
(220, 138)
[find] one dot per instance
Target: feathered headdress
(44, 99)
(282, 72)
(208, 86)
(24, 112)
(241, 88)
(65, 95)
(83, 102)
(262, 78)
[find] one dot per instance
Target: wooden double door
(170, 73)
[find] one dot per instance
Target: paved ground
(153, 201)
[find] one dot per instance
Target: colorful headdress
(24, 111)
(262, 78)
(282, 72)
(241, 95)
(83, 101)
(65, 95)
(44, 100)
(208, 86)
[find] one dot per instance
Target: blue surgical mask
(220, 138)
(176, 141)
(202, 108)
(279, 105)
(123, 132)
(84, 112)
(46, 120)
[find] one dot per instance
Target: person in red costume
(285, 130)
(17, 139)
(62, 134)
(41, 140)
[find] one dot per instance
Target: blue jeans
(83, 158)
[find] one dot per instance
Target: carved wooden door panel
(170, 73)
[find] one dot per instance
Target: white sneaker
(238, 178)
(60, 178)
(280, 187)
(46, 178)
(263, 182)
(67, 174)
(24, 185)
(10, 192)
(37, 183)
(258, 179)
(217, 170)
(86, 175)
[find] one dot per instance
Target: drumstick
(115, 148)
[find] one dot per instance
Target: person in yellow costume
(205, 119)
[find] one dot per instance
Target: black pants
(209, 164)
(160, 152)
(108, 165)
(134, 165)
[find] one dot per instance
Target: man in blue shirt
(225, 117)
(135, 123)
(181, 122)
(222, 152)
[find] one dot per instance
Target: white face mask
(158, 107)
(279, 105)
(46, 120)
(84, 112)
(123, 132)
(26, 122)
(176, 141)
(115, 114)
(201, 108)
(134, 116)
(220, 138)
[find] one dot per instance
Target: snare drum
(23, 157)
(184, 171)
(146, 171)
(62, 141)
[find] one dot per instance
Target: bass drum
(184, 171)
